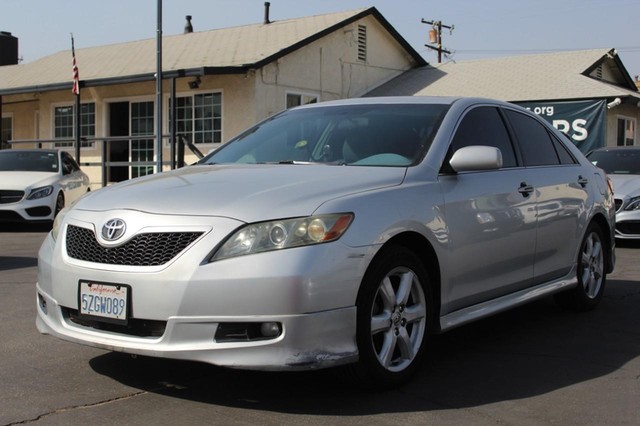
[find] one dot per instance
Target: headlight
(282, 234)
(43, 191)
(57, 222)
(634, 204)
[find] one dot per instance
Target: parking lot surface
(530, 366)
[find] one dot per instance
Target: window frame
(192, 95)
(67, 158)
(315, 98)
(520, 145)
(626, 119)
(86, 145)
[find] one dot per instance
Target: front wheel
(394, 310)
(591, 274)
(59, 204)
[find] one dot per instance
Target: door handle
(525, 189)
(583, 181)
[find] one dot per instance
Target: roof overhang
(129, 79)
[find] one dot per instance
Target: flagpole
(76, 90)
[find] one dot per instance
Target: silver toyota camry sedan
(337, 234)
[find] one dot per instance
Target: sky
(482, 28)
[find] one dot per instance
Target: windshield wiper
(293, 162)
(288, 162)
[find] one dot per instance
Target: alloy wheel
(398, 319)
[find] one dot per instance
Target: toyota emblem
(113, 229)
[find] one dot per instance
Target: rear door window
(535, 142)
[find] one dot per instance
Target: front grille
(134, 327)
(150, 249)
(7, 196)
(618, 202)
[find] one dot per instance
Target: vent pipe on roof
(266, 12)
(188, 28)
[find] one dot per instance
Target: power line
(569, 49)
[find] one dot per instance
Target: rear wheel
(394, 312)
(591, 274)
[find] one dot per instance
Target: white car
(622, 164)
(336, 233)
(36, 184)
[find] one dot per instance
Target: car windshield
(617, 162)
(28, 161)
(363, 135)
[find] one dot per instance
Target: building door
(118, 150)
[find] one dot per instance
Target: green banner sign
(582, 121)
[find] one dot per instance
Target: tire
(59, 204)
(394, 313)
(591, 274)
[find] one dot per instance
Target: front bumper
(40, 210)
(309, 291)
(316, 340)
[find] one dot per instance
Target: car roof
(617, 148)
(50, 151)
(434, 100)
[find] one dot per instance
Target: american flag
(76, 76)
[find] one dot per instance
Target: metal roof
(221, 51)
(561, 75)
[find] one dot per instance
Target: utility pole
(435, 37)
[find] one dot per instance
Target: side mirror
(476, 158)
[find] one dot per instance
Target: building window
(362, 43)
(87, 122)
(297, 99)
(7, 134)
(64, 125)
(626, 131)
(142, 150)
(199, 117)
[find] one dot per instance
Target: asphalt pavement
(534, 365)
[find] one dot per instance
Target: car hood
(625, 185)
(248, 193)
(19, 181)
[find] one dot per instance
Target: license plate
(102, 300)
